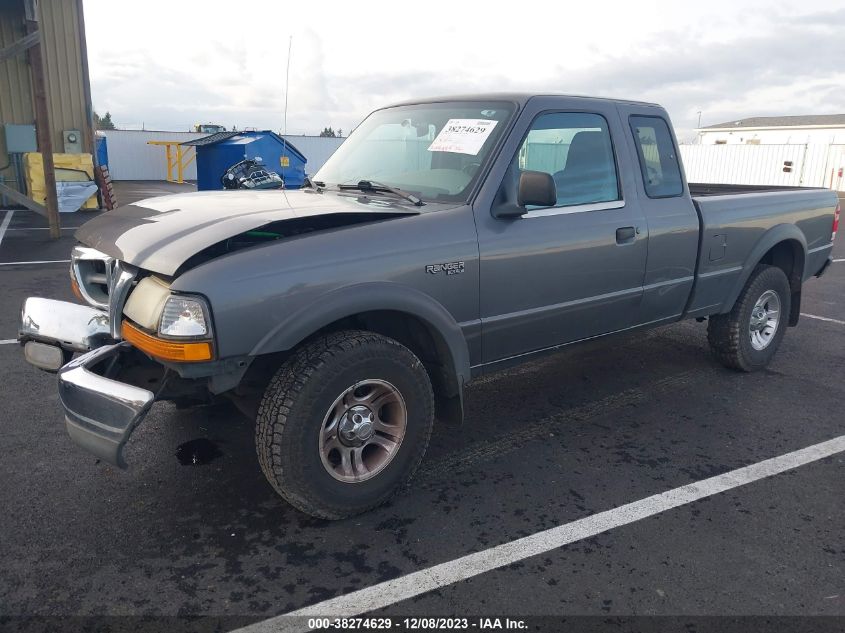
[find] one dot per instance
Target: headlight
(184, 317)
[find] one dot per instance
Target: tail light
(835, 222)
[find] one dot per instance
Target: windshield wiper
(316, 185)
(372, 185)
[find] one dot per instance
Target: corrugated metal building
(65, 57)
(776, 130)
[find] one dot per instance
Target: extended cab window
(575, 148)
(658, 158)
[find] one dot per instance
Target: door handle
(626, 235)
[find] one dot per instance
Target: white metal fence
(130, 158)
(789, 165)
(809, 165)
(317, 149)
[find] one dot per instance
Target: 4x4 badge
(450, 268)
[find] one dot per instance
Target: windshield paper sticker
(463, 136)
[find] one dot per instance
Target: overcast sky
(169, 65)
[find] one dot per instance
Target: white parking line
(5, 224)
(821, 318)
(392, 591)
(46, 261)
(836, 261)
(8, 341)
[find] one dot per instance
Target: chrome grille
(92, 269)
(120, 283)
(104, 282)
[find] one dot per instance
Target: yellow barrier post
(169, 155)
(182, 160)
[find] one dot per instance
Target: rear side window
(658, 158)
(575, 149)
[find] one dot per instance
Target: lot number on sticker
(463, 136)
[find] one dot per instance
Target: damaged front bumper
(100, 411)
(51, 331)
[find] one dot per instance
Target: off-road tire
(295, 404)
(728, 334)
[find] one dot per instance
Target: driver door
(574, 270)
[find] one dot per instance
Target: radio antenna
(287, 83)
(285, 123)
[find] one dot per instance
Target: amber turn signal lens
(74, 286)
(166, 350)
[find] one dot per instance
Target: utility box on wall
(217, 152)
(20, 139)
(73, 141)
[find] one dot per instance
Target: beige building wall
(62, 43)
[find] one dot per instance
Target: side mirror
(537, 188)
(529, 187)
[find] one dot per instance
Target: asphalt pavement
(193, 529)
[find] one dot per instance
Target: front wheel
(748, 336)
(344, 423)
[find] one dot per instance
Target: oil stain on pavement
(197, 452)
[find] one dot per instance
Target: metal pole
(287, 83)
(169, 154)
(42, 121)
(285, 124)
(803, 162)
(179, 165)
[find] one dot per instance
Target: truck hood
(160, 234)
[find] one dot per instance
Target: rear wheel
(344, 423)
(748, 336)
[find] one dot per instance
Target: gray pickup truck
(445, 239)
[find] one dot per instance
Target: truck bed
(739, 223)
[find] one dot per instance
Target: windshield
(432, 150)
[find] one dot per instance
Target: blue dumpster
(217, 152)
(102, 149)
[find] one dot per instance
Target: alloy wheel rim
(362, 430)
(765, 318)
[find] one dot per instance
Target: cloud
(766, 74)
(731, 62)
